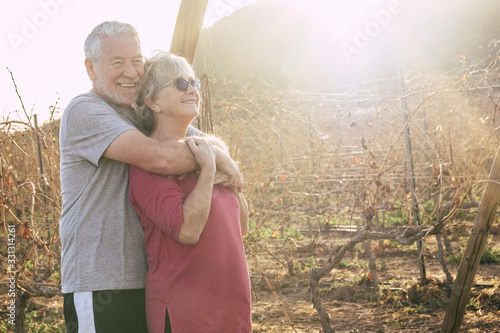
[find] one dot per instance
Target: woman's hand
(203, 152)
(227, 173)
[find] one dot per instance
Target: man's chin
(121, 101)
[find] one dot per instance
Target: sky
(41, 43)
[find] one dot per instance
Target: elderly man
(103, 251)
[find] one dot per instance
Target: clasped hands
(212, 150)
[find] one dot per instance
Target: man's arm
(228, 173)
(243, 212)
(216, 142)
(171, 157)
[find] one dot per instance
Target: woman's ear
(152, 105)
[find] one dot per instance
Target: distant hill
(318, 44)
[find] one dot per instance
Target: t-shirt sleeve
(157, 199)
(193, 131)
(91, 127)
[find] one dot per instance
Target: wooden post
(187, 28)
(40, 161)
(184, 42)
(473, 252)
(415, 211)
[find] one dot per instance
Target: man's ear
(90, 66)
(152, 105)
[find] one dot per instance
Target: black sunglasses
(183, 84)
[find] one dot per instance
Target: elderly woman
(198, 276)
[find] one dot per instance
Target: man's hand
(220, 177)
(226, 165)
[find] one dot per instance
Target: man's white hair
(92, 46)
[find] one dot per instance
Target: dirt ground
(399, 304)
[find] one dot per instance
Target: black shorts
(105, 311)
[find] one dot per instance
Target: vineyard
(361, 201)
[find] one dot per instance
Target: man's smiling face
(118, 73)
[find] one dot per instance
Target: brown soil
(399, 304)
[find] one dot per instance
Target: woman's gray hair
(158, 70)
(92, 46)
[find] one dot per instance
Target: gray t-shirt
(101, 235)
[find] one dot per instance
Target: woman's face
(179, 104)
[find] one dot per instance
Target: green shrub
(490, 256)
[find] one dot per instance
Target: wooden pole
(473, 252)
(187, 28)
(184, 42)
(415, 211)
(40, 161)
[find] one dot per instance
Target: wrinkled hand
(235, 181)
(203, 152)
(220, 177)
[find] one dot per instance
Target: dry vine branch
(445, 211)
(364, 234)
(263, 274)
(304, 166)
(235, 155)
(21, 210)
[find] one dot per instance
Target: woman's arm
(197, 204)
